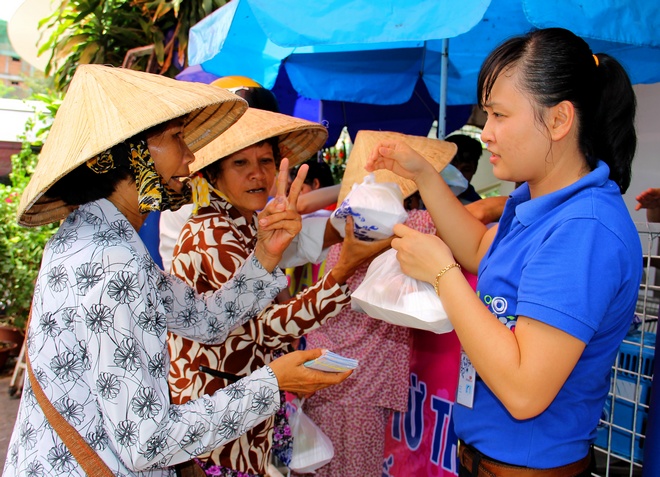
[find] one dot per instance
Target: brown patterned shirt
(212, 246)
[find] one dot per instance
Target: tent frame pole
(442, 114)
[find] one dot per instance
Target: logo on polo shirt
(498, 306)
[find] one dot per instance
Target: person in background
(319, 178)
(236, 173)
(354, 417)
(318, 175)
(466, 160)
(649, 200)
(96, 346)
(255, 94)
(542, 332)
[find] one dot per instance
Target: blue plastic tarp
(375, 51)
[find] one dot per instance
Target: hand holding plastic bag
(312, 449)
(388, 294)
(376, 208)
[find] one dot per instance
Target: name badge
(467, 378)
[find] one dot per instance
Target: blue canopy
(413, 117)
(370, 51)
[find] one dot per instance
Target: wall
(13, 115)
(646, 166)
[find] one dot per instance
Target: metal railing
(622, 430)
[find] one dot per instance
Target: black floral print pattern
(88, 275)
(107, 385)
(124, 287)
(99, 318)
(97, 344)
(126, 433)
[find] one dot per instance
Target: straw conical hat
(298, 139)
(105, 106)
(437, 152)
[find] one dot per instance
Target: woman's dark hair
(212, 171)
(468, 151)
(83, 185)
(259, 98)
(555, 65)
(317, 170)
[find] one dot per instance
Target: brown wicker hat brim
(105, 106)
(298, 139)
(438, 153)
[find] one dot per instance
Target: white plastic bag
(312, 449)
(376, 208)
(388, 294)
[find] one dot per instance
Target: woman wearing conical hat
(237, 171)
(96, 347)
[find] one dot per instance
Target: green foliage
(21, 247)
(172, 20)
(7, 91)
(102, 32)
(36, 84)
(84, 32)
(92, 31)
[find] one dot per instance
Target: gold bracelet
(441, 273)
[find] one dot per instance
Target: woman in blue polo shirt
(559, 275)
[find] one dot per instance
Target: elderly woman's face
(170, 152)
(246, 177)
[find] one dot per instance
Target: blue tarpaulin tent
(368, 51)
(414, 117)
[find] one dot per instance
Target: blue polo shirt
(571, 259)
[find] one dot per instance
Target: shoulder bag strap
(88, 459)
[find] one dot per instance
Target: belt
(469, 457)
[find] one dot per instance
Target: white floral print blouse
(97, 344)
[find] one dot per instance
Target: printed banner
(422, 441)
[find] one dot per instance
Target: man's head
(256, 95)
(467, 157)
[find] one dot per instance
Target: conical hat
(298, 139)
(105, 106)
(437, 152)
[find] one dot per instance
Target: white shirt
(97, 344)
(306, 247)
(169, 226)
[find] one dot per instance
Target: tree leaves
(103, 31)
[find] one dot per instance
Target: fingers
(274, 206)
(335, 378)
(294, 377)
(308, 354)
(283, 178)
(382, 150)
(401, 230)
(380, 245)
(297, 184)
(348, 228)
(276, 220)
